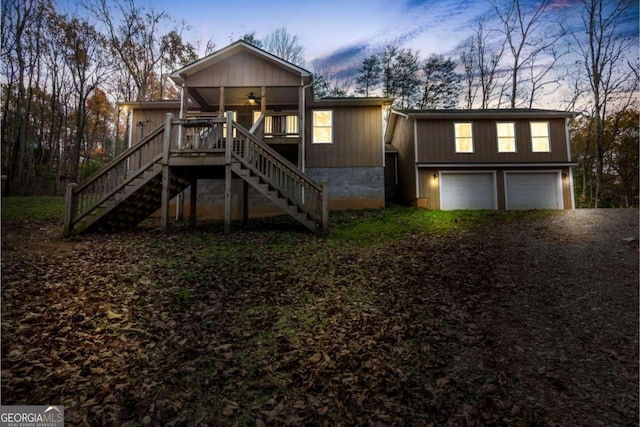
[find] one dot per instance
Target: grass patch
(29, 208)
(371, 226)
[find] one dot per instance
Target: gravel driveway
(570, 328)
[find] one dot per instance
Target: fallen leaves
(284, 329)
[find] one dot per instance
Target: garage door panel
(467, 191)
(533, 191)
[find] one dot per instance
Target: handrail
(293, 169)
(96, 190)
(107, 195)
(243, 146)
(287, 178)
(257, 124)
(122, 155)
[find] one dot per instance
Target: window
(256, 115)
(278, 124)
(540, 137)
(464, 137)
(506, 137)
(322, 127)
(234, 117)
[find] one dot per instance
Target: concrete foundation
(349, 188)
(352, 188)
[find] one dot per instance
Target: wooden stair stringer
(296, 210)
(133, 203)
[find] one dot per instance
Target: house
(247, 138)
(480, 159)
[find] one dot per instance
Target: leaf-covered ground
(493, 319)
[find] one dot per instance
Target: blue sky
(344, 32)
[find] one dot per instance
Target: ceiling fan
(252, 99)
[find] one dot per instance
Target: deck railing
(281, 174)
(200, 135)
(83, 198)
(281, 125)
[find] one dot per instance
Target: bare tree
(610, 75)
(85, 53)
(133, 35)
(527, 38)
(285, 45)
(480, 59)
(331, 84)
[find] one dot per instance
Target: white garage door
(533, 190)
(467, 191)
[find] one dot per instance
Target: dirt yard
(530, 321)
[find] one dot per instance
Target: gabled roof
(226, 52)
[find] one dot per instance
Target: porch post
(222, 107)
(71, 204)
(245, 203)
(166, 189)
(227, 174)
(180, 206)
(325, 207)
(194, 201)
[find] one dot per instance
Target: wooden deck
(172, 158)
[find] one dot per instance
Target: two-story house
(248, 138)
(480, 159)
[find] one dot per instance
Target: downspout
(415, 150)
(303, 134)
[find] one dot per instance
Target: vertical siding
(436, 140)
(151, 119)
(244, 69)
(357, 139)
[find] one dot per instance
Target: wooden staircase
(142, 179)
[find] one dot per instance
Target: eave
(492, 114)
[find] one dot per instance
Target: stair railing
(82, 199)
(283, 175)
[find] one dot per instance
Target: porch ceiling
(209, 97)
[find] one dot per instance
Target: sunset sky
(342, 30)
(341, 33)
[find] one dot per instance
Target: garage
(533, 190)
(468, 190)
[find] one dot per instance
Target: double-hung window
(540, 137)
(322, 127)
(506, 137)
(463, 137)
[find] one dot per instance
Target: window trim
(514, 137)
(313, 127)
(548, 136)
(458, 138)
